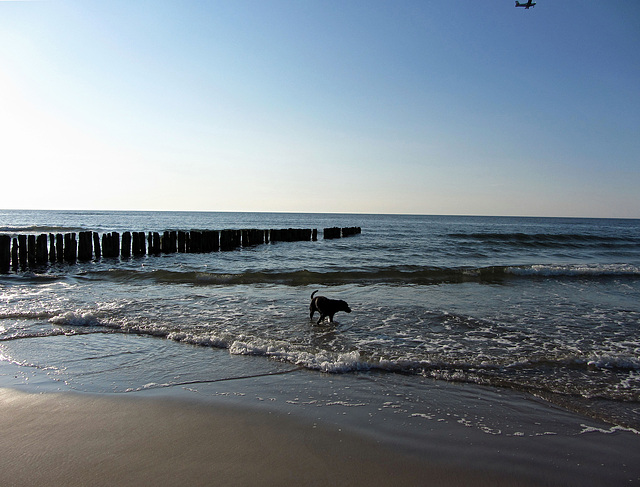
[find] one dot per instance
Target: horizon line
(477, 215)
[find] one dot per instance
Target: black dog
(326, 307)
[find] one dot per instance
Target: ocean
(548, 308)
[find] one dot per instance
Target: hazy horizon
(317, 213)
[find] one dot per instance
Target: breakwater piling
(35, 251)
(5, 253)
(337, 232)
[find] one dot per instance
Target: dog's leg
(312, 311)
(321, 317)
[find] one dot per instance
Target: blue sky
(470, 107)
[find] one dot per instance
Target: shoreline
(303, 427)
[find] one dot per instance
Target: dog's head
(344, 306)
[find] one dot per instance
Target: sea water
(547, 307)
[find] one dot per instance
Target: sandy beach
(268, 431)
(70, 439)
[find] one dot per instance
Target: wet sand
(286, 426)
(81, 439)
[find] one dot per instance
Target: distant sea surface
(545, 306)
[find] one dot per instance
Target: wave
(623, 363)
(27, 315)
(400, 275)
(572, 240)
(75, 319)
(327, 360)
(567, 376)
(390, 275)
(575, 270)
(38, 229)
(608, 376)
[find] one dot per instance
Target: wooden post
(215, 240)
(31, 250)
(96, 245)
(173, 241)
(182, 242)
(314, 234)
(164, 243)
(210, 241)
(41, 249)
(143, 248)
(207, 241)
(115, 239)
(165, 246)
(333, 232)
(85, 246)
(135, 236)
(125, 250)
(187, 247)
(156, 243)
(194, 242)
(52, 248)
(59, 247)
(5, 253)
(258, 237)
(14, 255)
(349, 231)
(251, 237)
(106, 244)
(70, 248)
(111, 244)
(229, 239)
(22, 251)
(225, 240)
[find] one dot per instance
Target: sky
(465, 107)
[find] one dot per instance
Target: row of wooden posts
(36, 250)
(337, 232)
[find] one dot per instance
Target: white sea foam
(346, 404)
(611, 430)
(75, 318)
(551, 270)
(609, 362)
(323, 361)
(207, 340)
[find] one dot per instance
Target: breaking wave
(390, 275)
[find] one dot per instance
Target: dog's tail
(313, 293)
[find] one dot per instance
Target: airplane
(527, 5)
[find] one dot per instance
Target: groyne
(32, 251)
(337, 232)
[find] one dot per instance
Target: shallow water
(548, 307)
